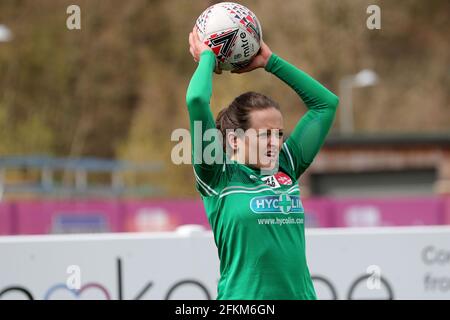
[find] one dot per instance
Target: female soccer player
(254, 207)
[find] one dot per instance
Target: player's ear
(232, 140)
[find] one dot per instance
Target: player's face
(264, 139)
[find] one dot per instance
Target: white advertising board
(378, 263)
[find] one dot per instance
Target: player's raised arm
(310, 132)
(198, 98)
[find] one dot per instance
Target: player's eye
(262, 134)
(277, 133)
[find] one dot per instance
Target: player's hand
(259, 61)
(196, 47)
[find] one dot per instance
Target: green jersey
(258, 220)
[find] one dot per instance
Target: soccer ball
(232, 31)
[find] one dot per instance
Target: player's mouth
(271, 154)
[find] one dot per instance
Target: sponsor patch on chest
(278, 179)
(283, 203)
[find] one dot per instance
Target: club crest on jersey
(283, 178)
(282, 203)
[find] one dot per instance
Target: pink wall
(388, 212)
(154, 215)
(5, 218)
(446, 215)
(35, 217)
(39, 217)
(317, 213)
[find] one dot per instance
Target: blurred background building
(86, 115)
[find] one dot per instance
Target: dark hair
(237, 114)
